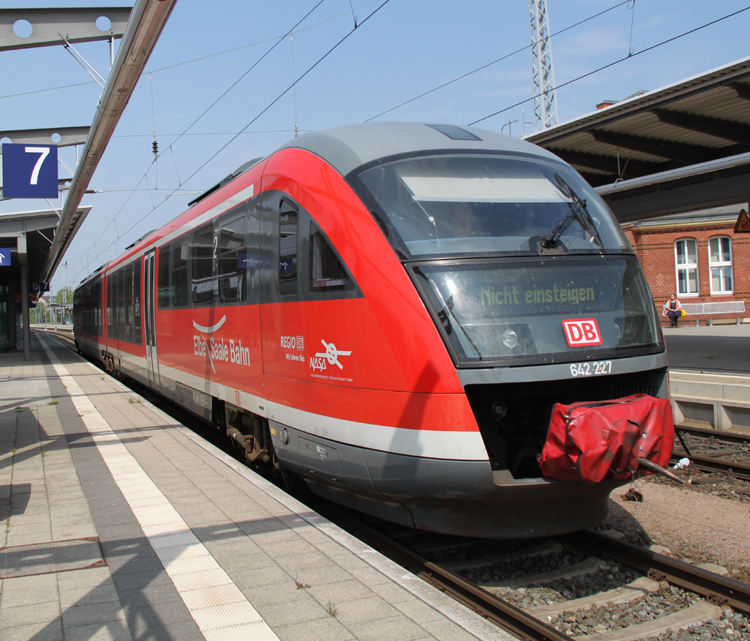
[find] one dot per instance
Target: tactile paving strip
(224, 614)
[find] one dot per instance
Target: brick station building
(700, 258)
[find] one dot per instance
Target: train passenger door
(150, 316)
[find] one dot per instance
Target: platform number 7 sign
(29, 171)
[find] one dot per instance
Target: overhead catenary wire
(211, 106)
(617, 62)
(296, 127)
(201, 58)
(271, 104)
(254, 119)
(243, 131)
(253, 66)
(504, 57)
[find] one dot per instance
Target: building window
(686, 263)
(720, 264)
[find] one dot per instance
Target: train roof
(349, 147)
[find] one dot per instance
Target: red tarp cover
(592, 441)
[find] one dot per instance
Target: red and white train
(390, 311)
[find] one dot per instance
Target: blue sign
(249, 261)
(30, 171)
(4, 257)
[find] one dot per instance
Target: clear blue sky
(407, 48)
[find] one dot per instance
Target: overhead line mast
(542, 70)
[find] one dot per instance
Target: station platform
(119, 523)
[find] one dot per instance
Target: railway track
(701, 594)
(708, 449)
(709, 595)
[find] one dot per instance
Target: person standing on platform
(673, 309)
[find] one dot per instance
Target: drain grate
(48, 558)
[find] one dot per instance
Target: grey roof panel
(352, 146)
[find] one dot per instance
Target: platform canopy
(35, 230)
(676, 149)
(140, 28)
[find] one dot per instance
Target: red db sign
(582, 331)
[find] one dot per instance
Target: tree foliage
(64, 295)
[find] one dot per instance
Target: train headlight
(510, 338)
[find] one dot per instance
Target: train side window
(87, 308)
(138, 338)
(110, 306)
(164, 292)
(120, 304)
(232, 261)
(129, 313)
(179, 291)
(288, 223)
(252, 255)
(98, 295)
(203, 265)
(326, 271)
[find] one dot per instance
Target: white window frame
(721, 264)
(686, 267)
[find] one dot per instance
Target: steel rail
(727, 437)
(708, 464)
(493, 608)
(714, 587)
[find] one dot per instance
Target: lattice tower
(542, 71)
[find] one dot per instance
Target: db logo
(583, 331)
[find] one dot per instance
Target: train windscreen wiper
(578, 211)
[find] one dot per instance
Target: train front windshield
(512, 254)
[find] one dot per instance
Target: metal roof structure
(142, 28)
(37, 228)
(675, 149)
(78, 25)
(146, 23)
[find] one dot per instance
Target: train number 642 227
(595, 368)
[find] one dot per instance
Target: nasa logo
(317, 363)
(582, 331)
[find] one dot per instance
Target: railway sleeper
(700, 612)
(617, 596)
(587, 566)
(543, 549)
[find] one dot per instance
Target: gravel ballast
(696, 527)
